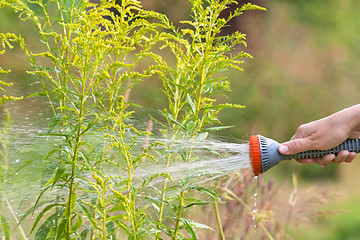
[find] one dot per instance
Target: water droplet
(254, 211)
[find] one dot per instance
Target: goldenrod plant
(93, 54)
(191, 86)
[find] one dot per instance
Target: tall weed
(93, 55)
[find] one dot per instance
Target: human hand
(324, 134)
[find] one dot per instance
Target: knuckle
(302, 127)
(297, 145)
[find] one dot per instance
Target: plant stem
(177, 225)
(250, 211)
(72, 179)
(163, 192)
(74, 157)
(71, 192)
(133, 216)
(292, 202)
(219, 221)
(288, 219)
(104, 215)
(21, 230)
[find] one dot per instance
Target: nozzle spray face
(255, 154)
(264, 152)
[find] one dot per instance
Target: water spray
(264, 152)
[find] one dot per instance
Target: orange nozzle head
(255, 154)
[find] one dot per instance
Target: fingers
(343, 156)
(306, 160)
(325, 160)
(351, 157)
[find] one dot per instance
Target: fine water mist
(210, 159)
(213, 159)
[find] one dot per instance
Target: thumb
(295, 146)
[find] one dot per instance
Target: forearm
(326, 133)
(350, 119)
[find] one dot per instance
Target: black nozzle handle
(351, 145)
(270, 155)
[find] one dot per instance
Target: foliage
(5, 130)
(6, 43)
(192, 83)
(93, 55)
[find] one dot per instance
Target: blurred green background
(305, 66)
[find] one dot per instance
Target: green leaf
(77, 224)
(126, 229)
(208, 191)
(32, 209)
(214, 152)
(84, 233)
(86, 159)
(212, 129)
(37, 94)
(171, 117)
(56, 134)
(199, 225)
(190, 126)
(54, 122)
(190, 229)
(110, 226)
(59, 173)
(163, 227)
(115, 218)
(5, 227)
(48, 227)
(43, 190)
(88, 215)
(43, 230)
(51, 153)
(117, 208)
(45, 210)
(197, 202)
(61, 229)
(183, 155)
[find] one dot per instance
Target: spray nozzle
(264, 152)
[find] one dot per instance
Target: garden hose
(264, 152)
